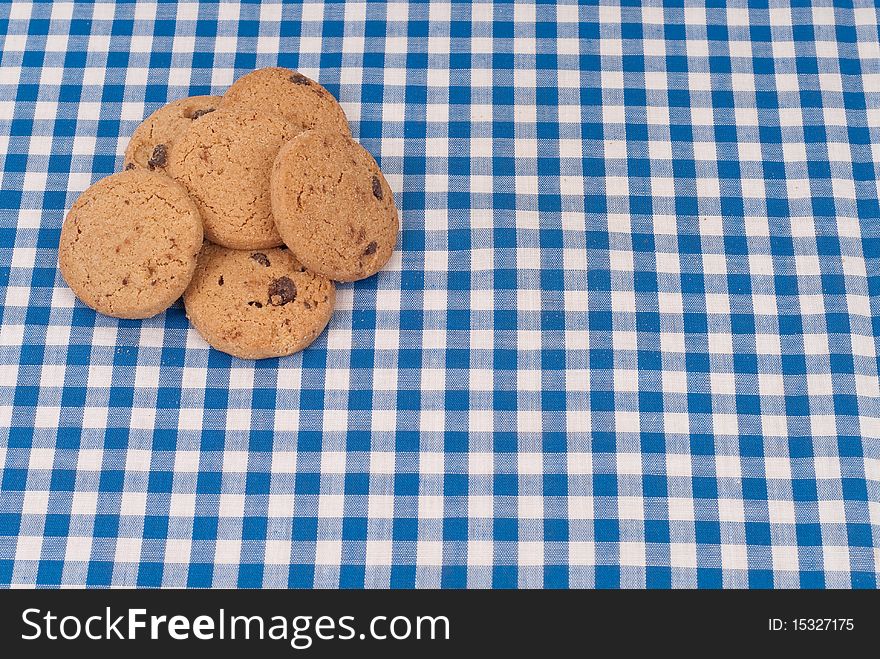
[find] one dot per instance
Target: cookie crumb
(377, 187)
(159, 157)
(261, 258)
(282, 291)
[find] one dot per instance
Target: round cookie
(224, 161)
(151, 141)
(257, 304)
(332, 205)
(292, 95)
(129, 244)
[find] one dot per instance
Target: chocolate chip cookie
(257, 304)
(129, 244)
(295, 97)
(151, 141)
(224, 161)
(332, 205)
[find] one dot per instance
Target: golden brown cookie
(151, 141)
(295, 97)
(257, 304)
(332, 205)
(129, 244)
(224, 161)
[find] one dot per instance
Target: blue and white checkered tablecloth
(629, 339)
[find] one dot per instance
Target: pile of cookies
(248, 204)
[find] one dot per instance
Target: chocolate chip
(299, 79)
(125, 282)
(159, 157)
(282, 291)
(254, 303)
(201, 113)
(129, 166)
(377, 187)
(261, 258)
(220, 281)
(371, 249)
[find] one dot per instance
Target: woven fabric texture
(629, 337)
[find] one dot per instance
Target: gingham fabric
(629, 338)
